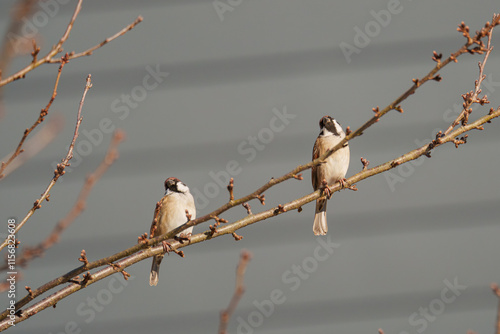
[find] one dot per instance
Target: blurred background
(413, 251)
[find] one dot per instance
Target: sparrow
(175, 206)
(332, 170)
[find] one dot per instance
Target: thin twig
(41, 117)
(89, 51)
(30, 253)
(60, 167)
(239, 290)
(36, 143)
(49, 57)
(472, 97)
(52, 53)
(8, 50)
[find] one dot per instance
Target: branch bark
(41, 117)
(21, 10)
(49, 57)
(60, 167)
(30, 253)
(89, 51)
(36, 143)
(53, 52)
(239, 290)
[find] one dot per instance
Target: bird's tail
(320, 227)
(155, 270)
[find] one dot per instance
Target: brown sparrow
(331, 171)
(175, 205)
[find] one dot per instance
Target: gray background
(398, 245)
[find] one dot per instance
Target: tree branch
(60, 167)
(54, 51)
(36, 143)
(89, 51)
(21, 10)
(472, 96)
(41, 117)
(49, 57)
(239, 290)
(30, 253)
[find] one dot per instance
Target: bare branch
(89, 51)
(49, 57)
(60, 167)
(8, 50)
(10, 46)
(41, 117)
(30, 253)
(239, 290)
(236, 236)
(53, 52)
(248, 207)
(35, 144)
(472, 97)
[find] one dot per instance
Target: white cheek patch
(338, 127)
(181, 187)
(326, 133)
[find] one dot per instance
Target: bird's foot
(167, 247)
(326, 189)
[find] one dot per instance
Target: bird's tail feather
(155, 270)
(320, 226)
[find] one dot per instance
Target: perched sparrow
(174, 204)
(332, 170)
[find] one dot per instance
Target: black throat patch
(330, 126)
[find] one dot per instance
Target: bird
(174, 209)
(330, 171)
